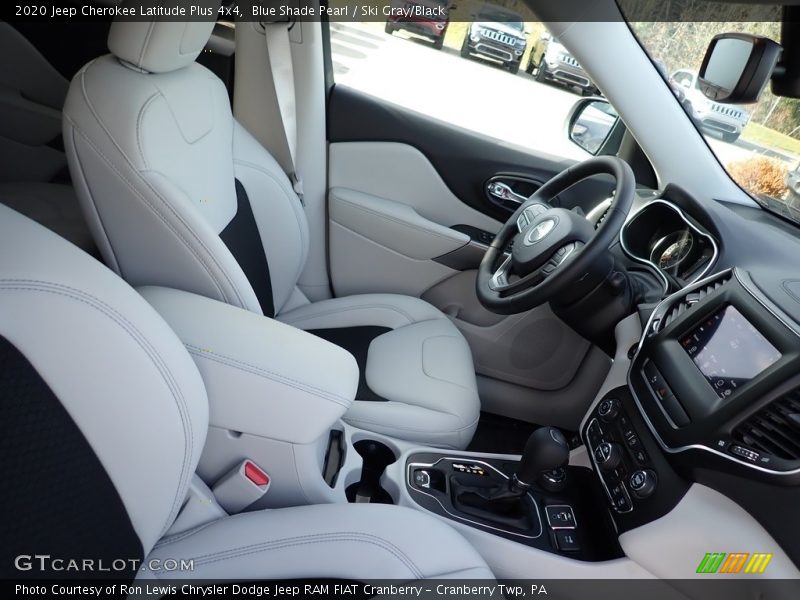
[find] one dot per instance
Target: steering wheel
(552, 247)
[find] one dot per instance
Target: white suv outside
(724, 119)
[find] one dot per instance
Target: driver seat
(178, 194)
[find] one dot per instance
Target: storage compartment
(376, 457)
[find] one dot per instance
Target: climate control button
(608, 455)
(608, 409)
(643, 483)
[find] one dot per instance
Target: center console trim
(648, 330)
(599, 472)
(459, 517)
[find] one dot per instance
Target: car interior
(284, 329)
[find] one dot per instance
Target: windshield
(758, 144)
(495, 15)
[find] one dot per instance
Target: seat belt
(279, 55)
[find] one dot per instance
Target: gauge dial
(671, 250)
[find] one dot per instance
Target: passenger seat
(103, 416)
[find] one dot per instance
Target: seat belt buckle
(241, 487)
(297, 185)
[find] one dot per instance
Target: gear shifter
(543, 459)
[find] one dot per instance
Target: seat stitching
(166, 541)
(146, 43)
(165, 204)
(334, 311)
(92, 301)
(266, 374)
(112, 261)
(139, 120)
(339, 536)
(147, 203)
(433, 337)
(394, 426)
(282, 182)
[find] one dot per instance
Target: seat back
(176, 192)
(103, 413)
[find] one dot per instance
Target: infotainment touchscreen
(729, 350)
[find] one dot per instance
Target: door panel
(410, 212)
(400, 172)
(465, 160)
(382, 245)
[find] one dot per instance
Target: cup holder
(377, 457)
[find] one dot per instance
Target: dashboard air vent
(692, 298)
(775, 429)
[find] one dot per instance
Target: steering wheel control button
(560, 516)
(567, 541)
(643, 483)
(608, 409)
(608, 455)
(745, 453)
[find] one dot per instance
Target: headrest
(159, 46)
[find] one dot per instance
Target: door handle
(503, 193)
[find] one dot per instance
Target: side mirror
(737, 66)
(590, 124)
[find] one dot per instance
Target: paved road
(473, 94)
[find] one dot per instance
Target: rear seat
(31, 95)
(53, 205)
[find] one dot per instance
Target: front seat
(103, 416)
(178, 194)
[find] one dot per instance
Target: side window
(486, 68)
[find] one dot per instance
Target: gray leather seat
(178, 194)
(101, 403)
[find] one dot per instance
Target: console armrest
(263, 377)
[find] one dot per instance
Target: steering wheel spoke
(531, 210)
(552, 246)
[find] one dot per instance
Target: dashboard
(663, 237)
(713, 387)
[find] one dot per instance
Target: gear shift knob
(546, 449)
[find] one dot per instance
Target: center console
(537, 500)
(714, 378)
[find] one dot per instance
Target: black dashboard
(673, 244)
(713, 389)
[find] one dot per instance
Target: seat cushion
(331, 541)
(417, 376)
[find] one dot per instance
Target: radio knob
(608, 409)
(608, 455)
(643, 483)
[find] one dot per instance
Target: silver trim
(493, 52)
(668, 302)
(647, 261)
(459, 517)
(600, 474)
(502, 271)
(557, 527)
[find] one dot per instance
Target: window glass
(483, 67)
(758, 144)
